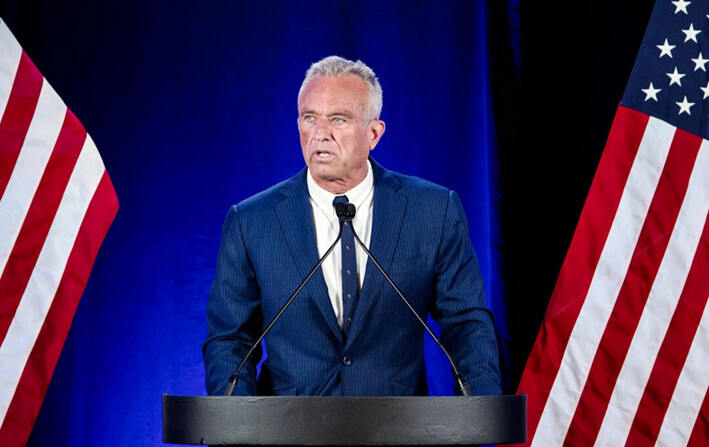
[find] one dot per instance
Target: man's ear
(375, 131)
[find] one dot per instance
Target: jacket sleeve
(234, 318)
(467, 330)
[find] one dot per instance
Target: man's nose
(321, 128)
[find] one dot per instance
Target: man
(347, 332)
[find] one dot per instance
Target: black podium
(278, 420)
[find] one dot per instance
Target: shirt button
(346, 361)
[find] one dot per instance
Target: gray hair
(336, 66)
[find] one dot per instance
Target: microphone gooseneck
(231, 385)
(346, 213)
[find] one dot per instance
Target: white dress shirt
(327, 226)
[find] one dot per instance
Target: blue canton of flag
(670, 79)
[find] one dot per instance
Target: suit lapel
(294, 213)
(388, 216)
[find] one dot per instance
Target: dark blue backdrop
(193, 108)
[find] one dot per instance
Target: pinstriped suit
(419, 236)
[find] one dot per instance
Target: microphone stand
(462, 387)
(231, 385)
(346, 213)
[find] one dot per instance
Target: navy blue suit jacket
(419, 236)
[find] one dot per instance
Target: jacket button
(346, 361)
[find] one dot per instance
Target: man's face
(334, 136)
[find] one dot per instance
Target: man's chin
(324, 167)
(326, 175)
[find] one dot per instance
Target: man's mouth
(324, 155)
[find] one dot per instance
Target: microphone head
(351, 211)
(345, 212)
(340, 210)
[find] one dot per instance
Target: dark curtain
(576, 61)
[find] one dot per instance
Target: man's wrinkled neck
(340, 186)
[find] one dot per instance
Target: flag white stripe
(12, 53)
(38, 146)
(690, 391)
(605, 285)
(660, 306)
(45, 278)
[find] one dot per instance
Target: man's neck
(341, 186)
(365, 183)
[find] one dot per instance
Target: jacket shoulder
(268, 198)
(418, 188)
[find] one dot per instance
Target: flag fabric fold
(621, 357)
(56, 205)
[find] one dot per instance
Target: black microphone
(346, 213)
(231, 385)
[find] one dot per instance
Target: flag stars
(706, 91)
(651, 92)
(700, 62)
(666, 49)
(691, 33)
(675, 77)
(681, 5)
(684, 106)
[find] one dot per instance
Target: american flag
(56, 204)
(622, 357)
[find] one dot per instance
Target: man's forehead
(347, 84)
(324, 94)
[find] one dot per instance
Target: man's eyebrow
(345, 113)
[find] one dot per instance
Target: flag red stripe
(34, 382)
(580, 263)
(633, 295)
(39, 219)
(674, 350)
(700, 432)
(18, 116)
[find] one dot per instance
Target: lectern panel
(275, 420)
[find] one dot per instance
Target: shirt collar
(323, 198)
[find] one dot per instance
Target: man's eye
(308, 118)
(337, 120)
